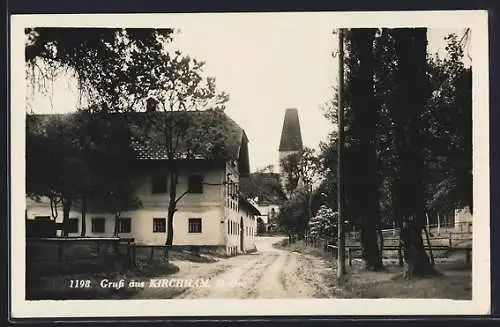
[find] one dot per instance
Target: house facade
(269, 213)
(210, 214)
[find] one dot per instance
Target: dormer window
(159, 184)
(195, 184)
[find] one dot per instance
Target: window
(159, 225)
(194, 225)
(73, 225)
(159, 184)
(195, 184)
(124, 225)
(98, 225)
(228, 227)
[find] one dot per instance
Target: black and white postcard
(249, 164)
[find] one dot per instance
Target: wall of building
(249, 229)
(207, 205)
(232, 226)
(267, 210)
(215, 206)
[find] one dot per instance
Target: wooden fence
(87, 245)
(453, 242)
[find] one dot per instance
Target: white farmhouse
(211, 215)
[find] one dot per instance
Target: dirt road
(268, 273)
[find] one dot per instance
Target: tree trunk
(381, 248)
(66, 209)
(364, 113)
(117, 222)
(439, 224)
(410, 96)
(84, 216)
(172, 204)
(417, 261)
(429, 245)
(370, 247)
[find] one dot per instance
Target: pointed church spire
(291, 138)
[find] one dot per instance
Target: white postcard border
(480, 304)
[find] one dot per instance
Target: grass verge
(455, 282)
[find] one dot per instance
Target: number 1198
(79, 283)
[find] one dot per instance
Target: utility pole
(340, 163)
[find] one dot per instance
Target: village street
(267, 273)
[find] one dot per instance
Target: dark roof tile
(150, 148)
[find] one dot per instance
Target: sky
(265, 70)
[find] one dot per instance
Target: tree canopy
(127, 70)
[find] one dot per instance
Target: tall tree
(263, 185)
(423, 139)
(411, 95)
(177, 92)
(113, 161)
(100, 59)
(134, 70)
(448, 132)
(363, 129)
(56, 168)
(302, 171)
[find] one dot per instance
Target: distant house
(463, 220)
(267, 194)
(269, 214)
(211, 215)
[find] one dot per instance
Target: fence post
(133, 254)
(439, 225)
(449, 241)
(349, 258)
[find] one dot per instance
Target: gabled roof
(217, 130)
(291, 137)
(248, 205)
(265, 186)
(214, 126)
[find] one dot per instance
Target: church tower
(291, 138)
